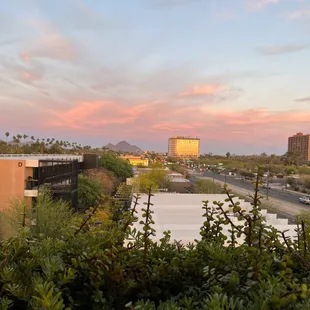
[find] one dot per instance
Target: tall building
(182, 147)
(299, 147)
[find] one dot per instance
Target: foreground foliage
(86, 265)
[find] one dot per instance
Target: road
(273, 192)
(284, 203)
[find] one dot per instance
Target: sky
(235, 73)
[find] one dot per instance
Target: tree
(155, 179)
(7, 134)
(291, 170)
(119, 167)
(107, 181)
(55, 149)
(228, 154)
(89, 191)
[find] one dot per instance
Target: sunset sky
(235, 73)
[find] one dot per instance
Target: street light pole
(267, 185)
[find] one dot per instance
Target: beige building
(22, 176)
(136, 160)
(182, 147)
(299, 146)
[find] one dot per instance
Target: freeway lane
(274, 193)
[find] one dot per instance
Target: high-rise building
(182, 147)
(299, 147)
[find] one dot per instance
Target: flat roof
(40, 157)
(182, 214)
(186, 138)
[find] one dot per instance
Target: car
(305, 200)
(266, 186)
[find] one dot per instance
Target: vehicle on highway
(266, 186)
(305, 200)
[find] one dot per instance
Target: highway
(273, 192)
(284, 203)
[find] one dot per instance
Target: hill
(124, 147)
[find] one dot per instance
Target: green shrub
(89, 191)
(63, 262)
(205, 186)
(119, 167)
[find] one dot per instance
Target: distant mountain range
(124, 147)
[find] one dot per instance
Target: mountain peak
(124, 147)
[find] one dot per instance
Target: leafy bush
(89, 191)
(119, 167)
(205, 186)
(78, 264)
(155, 178)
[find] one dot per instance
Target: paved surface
(282, 202)
(273, 192)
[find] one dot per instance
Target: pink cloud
(299, 14)
(174, 126)
(49, 43)
(75, 117)
(53, 46)
(261, 3)
(158, 120)
(203, 90)
(28, 76)
(258, 4)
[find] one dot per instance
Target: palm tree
(19, 136)
(7, 134)
(25, 137)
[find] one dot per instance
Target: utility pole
(267, 185)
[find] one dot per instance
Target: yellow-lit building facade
(136, 160)
(181, 147)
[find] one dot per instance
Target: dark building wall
(90, 161)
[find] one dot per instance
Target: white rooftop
(182, 215)
(40, 157)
